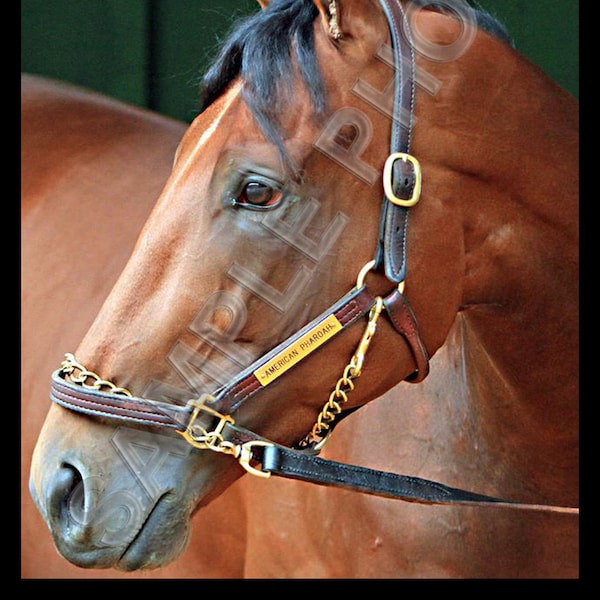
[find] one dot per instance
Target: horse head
(270, 229)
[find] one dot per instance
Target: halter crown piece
(207, 423)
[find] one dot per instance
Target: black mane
(260, 50)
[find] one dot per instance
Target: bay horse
(232, 323)
(84, 156)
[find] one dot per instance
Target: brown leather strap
(124, 408)
(405, 323)
(347, 310)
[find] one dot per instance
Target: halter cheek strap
(402, 173)
(269, 367)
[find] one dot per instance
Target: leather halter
(210, 417)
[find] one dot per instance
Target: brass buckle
(202, 439)
(388, 175)
(199, 437)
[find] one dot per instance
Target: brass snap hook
(245, 456)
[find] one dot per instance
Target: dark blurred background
(152, 52)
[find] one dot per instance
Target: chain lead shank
(333, 407)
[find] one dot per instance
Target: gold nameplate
(287, 358)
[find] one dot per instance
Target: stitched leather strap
(405, 323)
(305, 465)
(124, 408)
(391, 250)
(347, 310)
(144, 411)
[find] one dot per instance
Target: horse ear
(330, 17)
(264, 3)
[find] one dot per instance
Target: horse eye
(256, 194)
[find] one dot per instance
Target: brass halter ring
(360, 280)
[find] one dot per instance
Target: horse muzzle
(129, 510)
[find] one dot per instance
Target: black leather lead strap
(293, 464)
(304, 465)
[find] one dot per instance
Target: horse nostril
(65, 493)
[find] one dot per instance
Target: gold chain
(339, 396)
(70, 364)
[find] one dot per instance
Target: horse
(74, 145)
(231, 323)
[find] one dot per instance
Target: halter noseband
(207, 422)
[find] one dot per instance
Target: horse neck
(509, 138)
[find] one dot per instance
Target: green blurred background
(152, 52)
